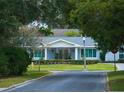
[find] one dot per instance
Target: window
(121, 54)
(94, 52)
(89, 52)
(37, 53)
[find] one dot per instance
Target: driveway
(67, 81)
(120, 66)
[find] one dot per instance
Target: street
(67, 81)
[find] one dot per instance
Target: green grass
(33, 72)
(116, 81)
(11, 80)
(99, 66)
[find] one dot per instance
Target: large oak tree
(103, 20)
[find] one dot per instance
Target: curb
(23, 83)
(107, 85)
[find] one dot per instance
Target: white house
(110, 56)
(66, 48)
(63, 47)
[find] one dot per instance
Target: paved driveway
(68, 81)
(120, 66)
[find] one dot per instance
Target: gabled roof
(75, 40)
(63, 41)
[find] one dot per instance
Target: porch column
(76, 53)
(45, 58)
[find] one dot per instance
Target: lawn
(99, 66)
(11, 80)
(116, 81)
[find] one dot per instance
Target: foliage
(103, 20)
(60, 61)
(14, 61)
(55, 13)
(71, 33)
(3, 64)
(14, 13)
(45, 31)
(27, 36)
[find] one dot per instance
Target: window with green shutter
(37, 53)
(94, 52)
(89, 52)
(121, 54)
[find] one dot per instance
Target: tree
(71, 33)
(27, 36)
(55, 13)
(103, 20)
(45, 31)
(14, 13)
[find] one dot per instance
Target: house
(110, 56)
(66, 48)
(63, 47)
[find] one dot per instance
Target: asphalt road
(68, 81)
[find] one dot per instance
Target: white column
(76, 53)
(45, 54)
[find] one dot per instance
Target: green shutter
(37, 53)
(90, 52)
(87, 52)
(94, 52)
(121, 54)
(82, 52)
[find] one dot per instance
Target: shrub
(121, 61)
(16, 60)
(61, 61)
(3, 64)
(118, 61)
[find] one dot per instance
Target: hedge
(61, 61)
(119, 61)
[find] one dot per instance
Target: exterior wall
(98, 54)
(79, 54)
(110, 56)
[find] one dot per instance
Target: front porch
(62, 53)
(65, 53)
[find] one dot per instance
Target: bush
(121, 61)
(61, 61)
(3, 64)
(14, 61)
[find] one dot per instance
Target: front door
(63, 54)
